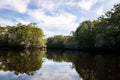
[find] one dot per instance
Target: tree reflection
(90, 66)
(59, 56)
(98, 67)
(21, 61)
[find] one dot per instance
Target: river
(58, 65)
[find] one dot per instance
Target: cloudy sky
(53, 16)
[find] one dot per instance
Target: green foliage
(84, 35)
(101, 33)
(23, 36)
(55, 42)
(70, 42)
(63, 42)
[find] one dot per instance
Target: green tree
(55, 42)
(22, 36)
(84, 35)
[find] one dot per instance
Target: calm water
(58, 65)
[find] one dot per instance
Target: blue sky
(54, 17)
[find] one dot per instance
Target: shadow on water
(96, 66)
(21, 61)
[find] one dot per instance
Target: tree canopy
(103, 32)
(21, 36)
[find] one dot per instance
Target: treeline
(21, 36)
(60, 41)
(103, 33)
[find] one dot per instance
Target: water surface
(58, 65)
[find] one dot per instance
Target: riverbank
(88, 49)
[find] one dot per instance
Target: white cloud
(15, 5)
(54, 16)
(71, 3)
(57, 24)
(19, 20)
(50, 5)
(87, 4)
(5, 22)
(110, 4)
(60, 18)
(100, 11)
(106, 6)
(56, 71)
(49, 33)
(82, 19)
(60, 29)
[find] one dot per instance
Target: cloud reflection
(50, 70)
(56, 71)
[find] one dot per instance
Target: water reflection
(100, 66)
(21, 62)
(58, 65)
(52, 70)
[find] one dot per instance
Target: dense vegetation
(21, 36)
(60, 41)
(101, 33)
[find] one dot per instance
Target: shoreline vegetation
(100, 34)
(21, 37)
